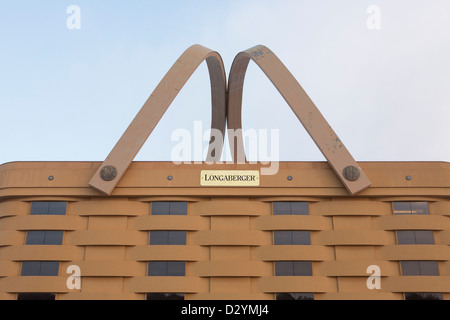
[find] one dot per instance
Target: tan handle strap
(312, 120)
(120, 158)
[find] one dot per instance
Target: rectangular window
(423, 296)
(40, 268)
(48, 208)
(295, 296)
(415, 237)
(419, 268)
(406, 208)
(290, 208)
(166, 268)
(169, 208)
(293, 268)
(36, 296)
(165, 296)
(292, 238)
(44, 237)
(167, 238)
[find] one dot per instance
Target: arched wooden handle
(113, 168)
(303, 107)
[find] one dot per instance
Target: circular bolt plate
(108, 173)
(351, 173)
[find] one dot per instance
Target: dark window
(40, 268)
(48, 208)
(36, 296)
(44, 237)
(166, 268)
(293, 268)
(290, 208)
(419, 268)
(423, 296)
(295, 296)
(292, 238)
(169, 208)
(402, 208)
(415, 237)
(168, 237)
(165, 296)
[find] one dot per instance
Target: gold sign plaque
(229, 178)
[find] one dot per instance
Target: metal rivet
(108, 173)
(290, 178)
(51, 178)
(408, 178)
(351, 173)
(170, 178)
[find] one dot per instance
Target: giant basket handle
(312, 120)
(113, 168)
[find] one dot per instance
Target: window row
(282, 268)
(408, 268)
(398, 208)
(409, 237)
(280, 237)
(51, 237)
(155, 268)
(42, 237)
(278, 296)
(59, 208)
(168, 208)
(278, 208)
(407, 296)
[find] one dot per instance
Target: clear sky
(68, 95)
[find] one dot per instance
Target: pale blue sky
(68, 95)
